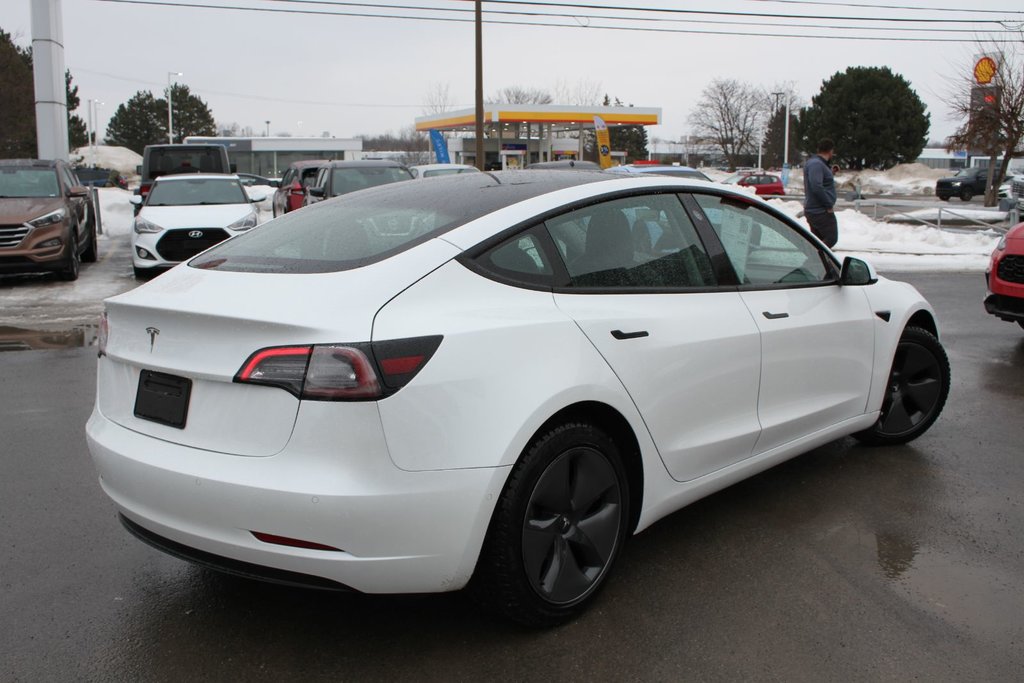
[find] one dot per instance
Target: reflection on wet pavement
(17, 339)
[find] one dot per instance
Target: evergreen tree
(18, 110)
(775, 140)
(191, 115)
(629, 139)
(872, 114)
(141, 121)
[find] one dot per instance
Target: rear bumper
(394, 531)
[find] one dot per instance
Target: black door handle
(619, 334)
(774, 316)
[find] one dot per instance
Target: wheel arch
(614, 423)
(925, 320)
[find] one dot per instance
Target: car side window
(288, 177)
(67, 178)
(763, 249)
(643, 241)
(521, 258)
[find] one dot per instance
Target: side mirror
(78, 191)
(857, 273)
(135, 199)
(257, 197)
(275, 183)
(316, 192)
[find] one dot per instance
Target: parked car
(47, 220)
(480, 381)
(763, 183)
(661, 169)
(183, 215)
(437, 170)
(251, 179)
(291, 192)
(341, 177)
(161, 160)
(101, 177)
(1004, 277)
(965, 184)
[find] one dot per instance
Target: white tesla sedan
(185, 214)
(490, 380)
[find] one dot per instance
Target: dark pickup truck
(966, 183)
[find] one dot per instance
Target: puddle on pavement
(18, 339)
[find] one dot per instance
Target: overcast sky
(310, 74)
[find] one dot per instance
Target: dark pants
(824, 227)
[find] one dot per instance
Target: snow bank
(121, 159)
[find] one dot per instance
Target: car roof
(182, 177)
(429, 167)
(565, 163)
(365, 163)
(308, 163)
(36, 163)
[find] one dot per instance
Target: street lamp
(94, 124)
(268, 128)
(170, 117)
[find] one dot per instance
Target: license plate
(163, 398)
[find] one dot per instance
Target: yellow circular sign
(985, 70)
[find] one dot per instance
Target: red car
(1005, 277)
(763, 183)
(291, 194)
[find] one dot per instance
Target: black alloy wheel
(916, 391)
(966, 194)
(557, 528)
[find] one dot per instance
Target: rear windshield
(359, 229)
(197, 192)
(28, 182)
(168, 161)
(345, 180)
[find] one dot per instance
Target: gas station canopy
(556, 117)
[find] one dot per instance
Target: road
(848, 563)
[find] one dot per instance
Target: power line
(900, 7)
(160, 3)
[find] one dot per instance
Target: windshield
(28, 182)
(345, 180)
(734, 179)
(197, 192)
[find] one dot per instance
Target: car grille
(12, 235)
(1011, 269)
(178, 245)
(1017, 188)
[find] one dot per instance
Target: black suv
(158, 160)
(966, 183)
(342, 177)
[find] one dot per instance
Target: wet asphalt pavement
(847, 563)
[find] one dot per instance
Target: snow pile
(121, 159)
(906, 179)
(901, 247)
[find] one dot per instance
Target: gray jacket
(819, 186)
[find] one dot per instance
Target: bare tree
(731, 113)
(995, 126)
(518, 94)
(583, 93)
(438, 99)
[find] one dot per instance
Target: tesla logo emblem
(195, 234)
(152, 332)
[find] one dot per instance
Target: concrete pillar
(48, 73)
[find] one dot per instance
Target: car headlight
(51, 218)
(956, 183)
(246, 223)
(144, 226)
(1002, 244)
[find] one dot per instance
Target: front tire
(69, 272)
(966, 195)
(916, 391)
(557, 529)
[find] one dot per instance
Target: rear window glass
(358, 229)
(345, 180)
(167, 161)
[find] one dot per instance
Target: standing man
(820, 194)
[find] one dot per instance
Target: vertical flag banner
(440, 147)
(604, 145)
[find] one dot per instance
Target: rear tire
(556, 530)
(916, 391)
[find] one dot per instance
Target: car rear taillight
(340, 372)
(144, 189)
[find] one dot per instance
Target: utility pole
(479, 88)
(170, 117)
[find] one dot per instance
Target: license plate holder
(163, 398)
